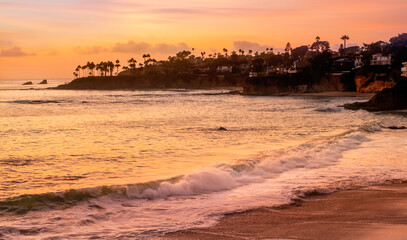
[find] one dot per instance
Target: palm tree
(132, 63)
(317, 38)
(83, 69)
(78, 69)
(226, 52)
(250, 52)
(344, 38)
(91, 66)
(110, 67)
(145, 57)
(117, 65)
(203, 54)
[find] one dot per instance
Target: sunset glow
(47, 39)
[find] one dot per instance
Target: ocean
(139, 164)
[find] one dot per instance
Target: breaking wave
(222, 177)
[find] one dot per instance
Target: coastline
(375, 212)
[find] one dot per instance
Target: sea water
(144, 163)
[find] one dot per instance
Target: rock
(397, 128)
(388, 99)
(28, 83)
(222, 129)
(44, 81)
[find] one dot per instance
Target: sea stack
(44, 81)
(28, 83)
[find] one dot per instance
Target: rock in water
(222, 129)
(397, 128)
(388, 99)
(28, 83)
(44, 81)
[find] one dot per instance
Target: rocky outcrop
(28, 83)
(153, 81)
(388, 99)
(373, 82)
(44, 81)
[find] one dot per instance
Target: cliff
(373, 79)
(388, 99)
(285, 84)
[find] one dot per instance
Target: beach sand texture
(378, 212)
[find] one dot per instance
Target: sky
(49, 38)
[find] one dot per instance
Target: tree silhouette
(78, 69)
(117, 65)
(344, 38)
(132, 63)
(226, 52)
(288, 48)
(83, 69)
(317, 38)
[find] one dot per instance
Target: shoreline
(374, 212)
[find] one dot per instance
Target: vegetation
(316, 60)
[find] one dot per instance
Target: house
(404, 69)
(351, 50)
(252, 74)
(358, 62)
(380, 60)
(224, 69)
(343, 65)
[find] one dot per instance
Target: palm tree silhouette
(226, 52)
(78, 69)
(132, 63)
(117, 65)
(145, 57)
(83, 69)
(344, 38)
(317, 38)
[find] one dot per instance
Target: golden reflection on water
(90, 138)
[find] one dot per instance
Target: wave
(222, 177)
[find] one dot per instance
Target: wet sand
(378, 212)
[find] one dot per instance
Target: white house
(404, 69)
(379, 59)
(224, 69)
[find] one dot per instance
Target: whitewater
(139, 164)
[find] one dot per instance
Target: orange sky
(49, 38)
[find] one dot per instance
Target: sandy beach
(378, 212)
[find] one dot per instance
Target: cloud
(135, 48)
(131, 47)
(14, 52)
(91, 50)
(245, 45)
